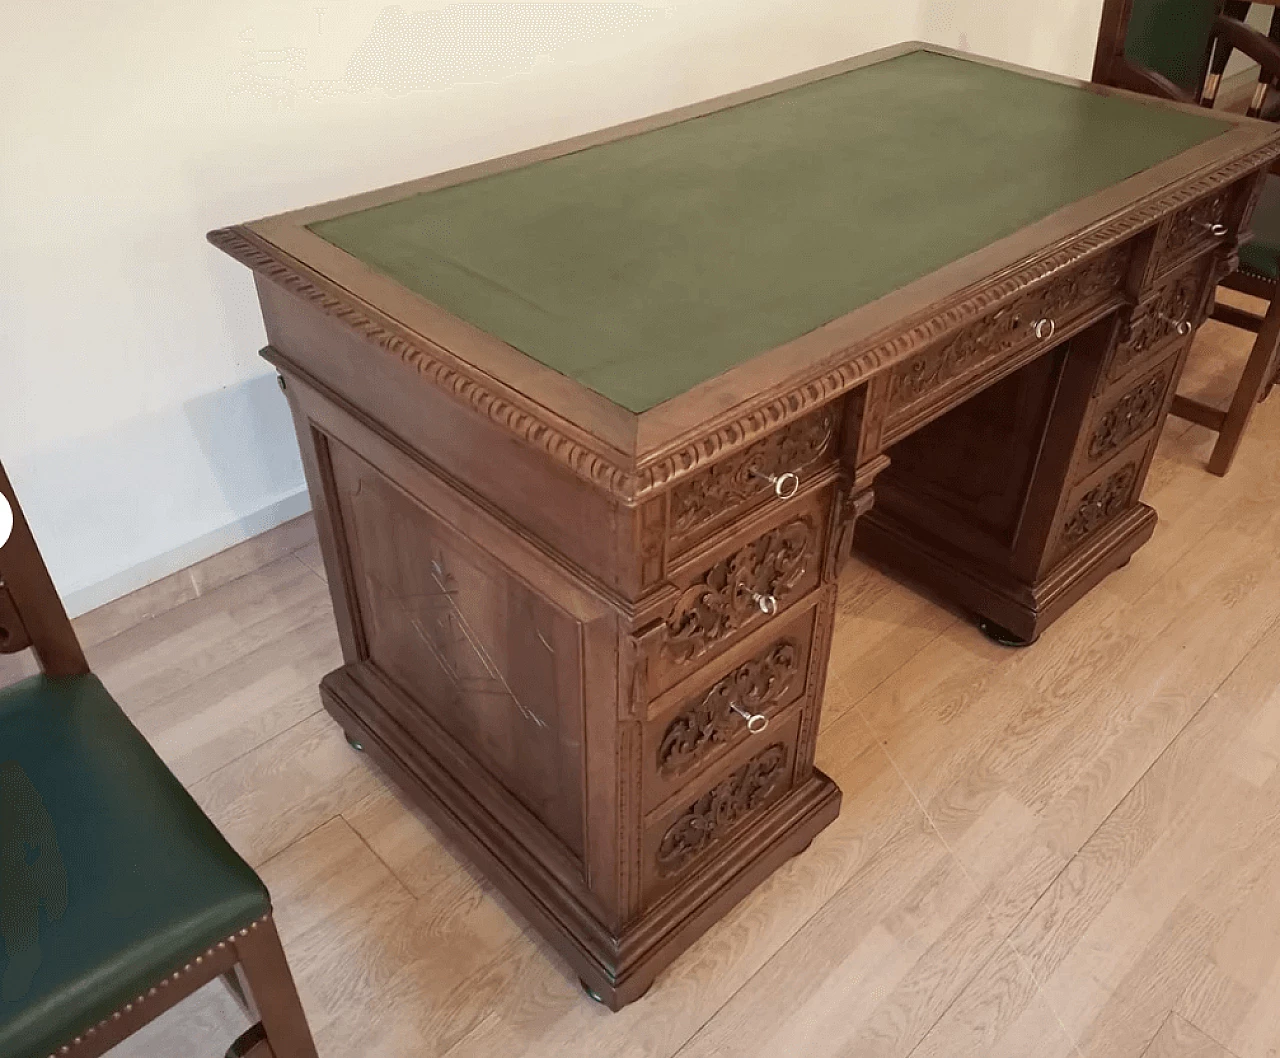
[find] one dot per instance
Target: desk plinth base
(994, 593)
(616, 968)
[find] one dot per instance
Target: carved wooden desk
(587, 431)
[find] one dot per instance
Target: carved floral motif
(1007, 328)
(1100, 504)
(1192, 226)
(744, 477)
(730, 592)
(711, 721)
(721, 808)
(1176, 304)
(1132, 415)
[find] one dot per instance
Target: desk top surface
(647, 265)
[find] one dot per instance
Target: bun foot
(999, 634)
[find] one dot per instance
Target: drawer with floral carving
(742, 697)
(1170, 314)
(1127, 414)
(1198, 228)
(745, 583)
(772, 470)
(688, 830)
(1101, 498)
(925, 384)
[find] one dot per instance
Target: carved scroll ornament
(710, 721)
(721, 808)
(732, 591)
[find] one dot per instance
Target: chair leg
(271, 988)
(1258, 372)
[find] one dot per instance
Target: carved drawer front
(1130, 412)
(1101, 498)
(689, 830)
(741, 586)
(921, 385)
(771, 470)
(1199, 227)
(1169, 315)
(743, 698)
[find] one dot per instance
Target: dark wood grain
(550, 608)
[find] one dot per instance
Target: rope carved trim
(841, 372)
(157, 989)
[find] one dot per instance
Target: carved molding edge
(844, 371)
(440, 368)
(841, 372)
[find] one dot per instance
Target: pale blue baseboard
(160, 566)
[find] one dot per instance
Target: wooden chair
(1178, 49)
(118, 896)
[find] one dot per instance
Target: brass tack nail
(115, 1016)
(128, 1007)
(199, 959)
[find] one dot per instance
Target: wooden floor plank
(1065, 851)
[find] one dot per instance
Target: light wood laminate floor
(1068, 850)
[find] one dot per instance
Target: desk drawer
(923, 386)
(692, 731)
(769, 471)
(1202, 226)
(751, 780)
(1102, 497)
(742, 585)
(1129, 412)
(1168, 315)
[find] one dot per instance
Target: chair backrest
(1173, 38)
(31, 614)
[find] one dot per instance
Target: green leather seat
(1172, 37)
(111, 877)
(1261, 255)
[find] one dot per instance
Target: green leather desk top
(645, 266)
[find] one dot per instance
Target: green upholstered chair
(118, 896)
(1178, 49)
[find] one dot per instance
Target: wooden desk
(588, 430)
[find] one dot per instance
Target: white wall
(138, 424)
(1055, 35)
